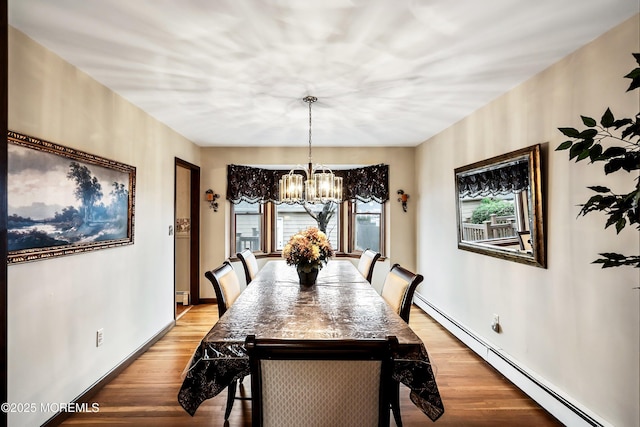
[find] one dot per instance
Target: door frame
(194, 235)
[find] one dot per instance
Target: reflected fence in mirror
(500, 207)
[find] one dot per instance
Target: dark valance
(257, 185)
(370, 183)
(506, 179)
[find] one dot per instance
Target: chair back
(320, 382)
(226, 285)
(367, 263)
(398, 289)
(524, 239)
(250, 264)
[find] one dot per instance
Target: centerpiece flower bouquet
(308, 250)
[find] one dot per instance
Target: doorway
(186, 236)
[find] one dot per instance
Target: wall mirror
(499, 207)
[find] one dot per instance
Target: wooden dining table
(341, 305)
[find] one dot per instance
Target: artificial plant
(622, 154)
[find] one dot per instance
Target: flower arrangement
(308, 249)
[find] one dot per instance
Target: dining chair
(227, 288)
(367, 263)
(398, 289)
(250, 264)
(320, 382)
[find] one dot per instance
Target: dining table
(342, 304)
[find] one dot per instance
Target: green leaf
(617, 260)
(607, 119)
(588, 133)
(635, 79)
(614, 152)
(583, 155)
(612, 166)
(612, 220)
(622, 122)
(564, 145)
(570, 132)
(637, 56)
(632, 130)
(599, 189)
(631, 161)
(576, 149)
(620, 225)
(595, 152)
(588, 121)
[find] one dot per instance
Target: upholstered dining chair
(249, 263)
(227, 288)
(398, 289)
(320, 382)
(367, 263)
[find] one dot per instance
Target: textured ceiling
(386, 72)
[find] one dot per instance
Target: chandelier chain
(310, 100)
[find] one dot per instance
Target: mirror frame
(538, 240)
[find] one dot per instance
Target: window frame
(352, 215)
(346, 227)
(261, 232)
(274, 226)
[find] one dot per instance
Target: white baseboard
(567, 412)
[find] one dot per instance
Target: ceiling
(386, 72)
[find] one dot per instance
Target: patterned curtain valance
(257, 185)
(370, 183)
(506, 179)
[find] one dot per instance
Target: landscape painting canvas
(63, 201)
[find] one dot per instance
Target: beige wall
(215, 226)
(56, 306)
(573, 325)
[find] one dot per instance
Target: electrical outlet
(99, 337)
(496, 323)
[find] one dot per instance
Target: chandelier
(320, 186)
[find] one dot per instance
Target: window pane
(292, 218)
(248, 219)
(367, 225)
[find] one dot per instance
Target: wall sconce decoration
(211, 197)
(403, 199)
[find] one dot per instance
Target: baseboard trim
(108, 377)
(567, 412)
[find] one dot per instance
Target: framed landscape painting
(63, 201)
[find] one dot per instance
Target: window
(367, 226)
(289, 219)
(248, 226)
(362, 222)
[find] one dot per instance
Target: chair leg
(395, 403)
(231, 396)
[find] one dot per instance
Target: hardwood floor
(145, 394)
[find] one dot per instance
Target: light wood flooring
(145, 394)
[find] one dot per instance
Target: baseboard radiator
(567, 412)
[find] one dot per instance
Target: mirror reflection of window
(499, 207)
(494, 205)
